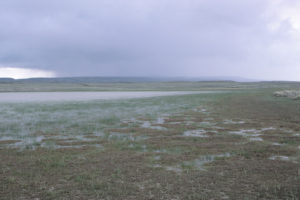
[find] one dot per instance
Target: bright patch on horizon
(22, 73)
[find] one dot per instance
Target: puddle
(147, 124)
(54, 146)
(157, 157)
(64, 141)
(47, 141)
(83, 138)
(188, 122)
(286, 130)
(142, 148)
(218, 127)
(283, 158)
(131, 120)
(195, 133)
(233, 122)
(254, 133)
(175, 123)
(6, 140)
(200, 109)
(197, 163)
(174, 169)
(29, 142)
(244, 132)
(277, 144)
(161, 120)
(160, 151)
(125, 137)
(206, 124)
(256, 139)
(209, 119)
(267, 129)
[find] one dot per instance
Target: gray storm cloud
(250, 38)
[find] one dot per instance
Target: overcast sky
(257, 39)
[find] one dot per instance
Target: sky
(257, 39)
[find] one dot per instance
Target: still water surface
(20, 97)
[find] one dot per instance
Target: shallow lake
(20, 97)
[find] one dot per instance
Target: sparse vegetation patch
(293, 94)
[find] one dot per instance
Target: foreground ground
(239, 144)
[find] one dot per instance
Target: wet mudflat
(239, 145)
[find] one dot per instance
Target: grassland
(133, 86)
(240, 144)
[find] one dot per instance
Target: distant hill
(6, 80)
(121, 79)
